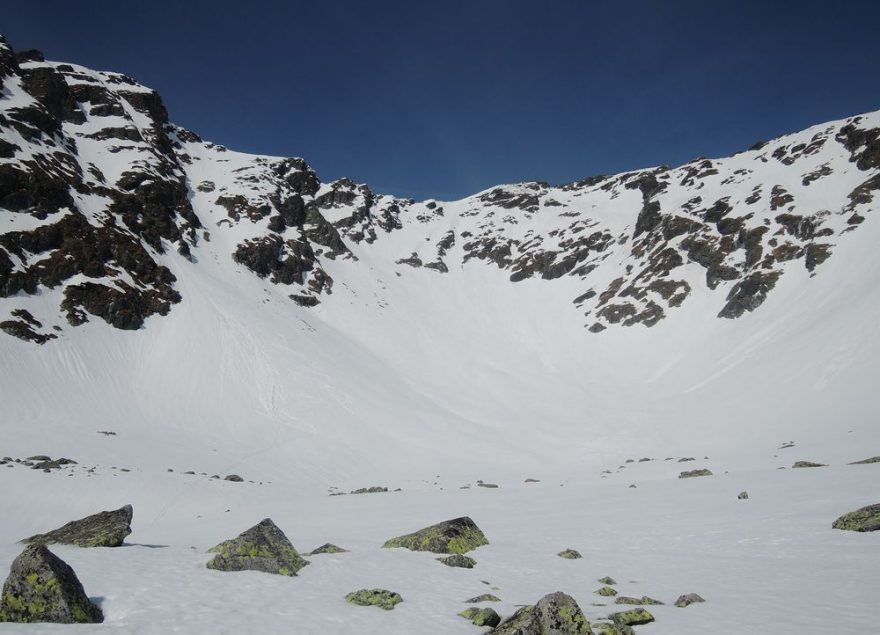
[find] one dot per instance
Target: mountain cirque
(102, 194)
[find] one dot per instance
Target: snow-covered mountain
(222, 312)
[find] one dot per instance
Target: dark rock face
(105, 529)
(456, 536)
(263, 547)
(864, 519)
(43, 588)
(554, 614)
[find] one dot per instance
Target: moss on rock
(481, 617)
(104, 529)
(633, 617)
(555, 613)
(570, 554)
(382, 598)
(263, 547)
(43, 588)
(864, 519)
(459, 535)
(606, 591)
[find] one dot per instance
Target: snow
(408, 378)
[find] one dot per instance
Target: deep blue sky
(446, 98)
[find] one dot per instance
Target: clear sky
(446, 98)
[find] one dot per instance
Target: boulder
(633, 617)
(610, 628)
(481, 617)
(328, 548)
(374, 597)
(606, 591)
(744, 495)
(486, 597)
(263, 547)
(808, 464)
(459, 535)
(694, 473)
(41, 587)
(864, 519)
(607, 580)
(623, 599)
(458, 560)
(570, 554)
(105, 529)
(554, 614)
(688, 599)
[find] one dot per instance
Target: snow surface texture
(429, 379)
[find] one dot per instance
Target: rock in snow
(864, 519)
(104, 529)
(41, 587)
(263, 547)
(458, 535)
(382, 598)
(554, 614)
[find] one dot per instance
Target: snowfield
(428, 382)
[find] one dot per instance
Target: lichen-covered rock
(607, 580)
(864, 519)
(459, 535)
(633, 617)
(606, 591)
(263, 547)
(687, 599)
(104, 529)
(458, 560)
(624, 599)
(43, 588)
(808, 464)
(694, 473)
(481, 617)
(570, 554)
(328, 548)
(486, 597)
(554, 614)
(374, 597)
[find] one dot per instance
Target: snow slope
(409, 377)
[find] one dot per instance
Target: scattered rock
(263, 547)
(570, 554)
(606, 591)
(105, 529)
(486, 597)
(458, 560)
(808, 464)
(43, 588)
(694, 473)
(688, 599)
(743, 495)
(458, 535)
(235, 478)
(633, 617)
(487, 485)
(607, 580)
(374, 597)
(556, 614)
(873, 459)
(328, 548)
(535, 480)
(623, 599)
(864, 519)
(481, 617)
(369, 490)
